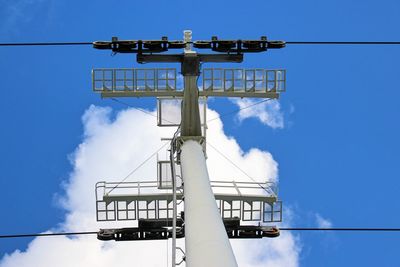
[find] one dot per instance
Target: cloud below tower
(113, 145)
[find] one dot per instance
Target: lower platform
(248, 201)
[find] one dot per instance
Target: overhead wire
(226, 114)
(139, 109)
(286, 42)
(128, 105)
(152, 155)
(341, 43)
(222, 115)
(340, 229)
(49, 234)
(140, 165)
(217, 117)
(240, 109)
(47, 44)
(347, 229)
(240, 169)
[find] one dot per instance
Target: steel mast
(206, 241)
(206, 233)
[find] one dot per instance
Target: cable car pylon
(213, 211)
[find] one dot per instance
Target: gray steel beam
(105, 93)
(190, 124)
(205, 93)
(149, 58)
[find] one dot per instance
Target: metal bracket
(148, 229)
(181, 139)
(155, 229)
(183, 257)
(158, 46)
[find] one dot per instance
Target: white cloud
(111, 149)
(268, 112)
(258, 164)
(322, 222)
(276, 252)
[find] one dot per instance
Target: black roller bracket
(150, 51)
(163, 45)
(160, 229)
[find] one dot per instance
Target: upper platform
(162, 82)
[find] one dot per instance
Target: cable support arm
(129, 46)
(158, 46)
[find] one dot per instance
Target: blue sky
(337, 154)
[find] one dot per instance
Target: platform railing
(140, 80)
(145, 200)
(228, 188)
(244, 80)
(161, 82)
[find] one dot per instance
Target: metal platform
(147, 200)
(158, 229)
(140, 82)
(126, 82)
(169, 111)
(243, 82)
(164, 175)
(169, 115)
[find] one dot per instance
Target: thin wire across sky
(286, 42)
(307, 229)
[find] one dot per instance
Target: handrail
(140, 187)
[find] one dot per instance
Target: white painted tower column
(206, 241)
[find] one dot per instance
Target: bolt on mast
(206, 233)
